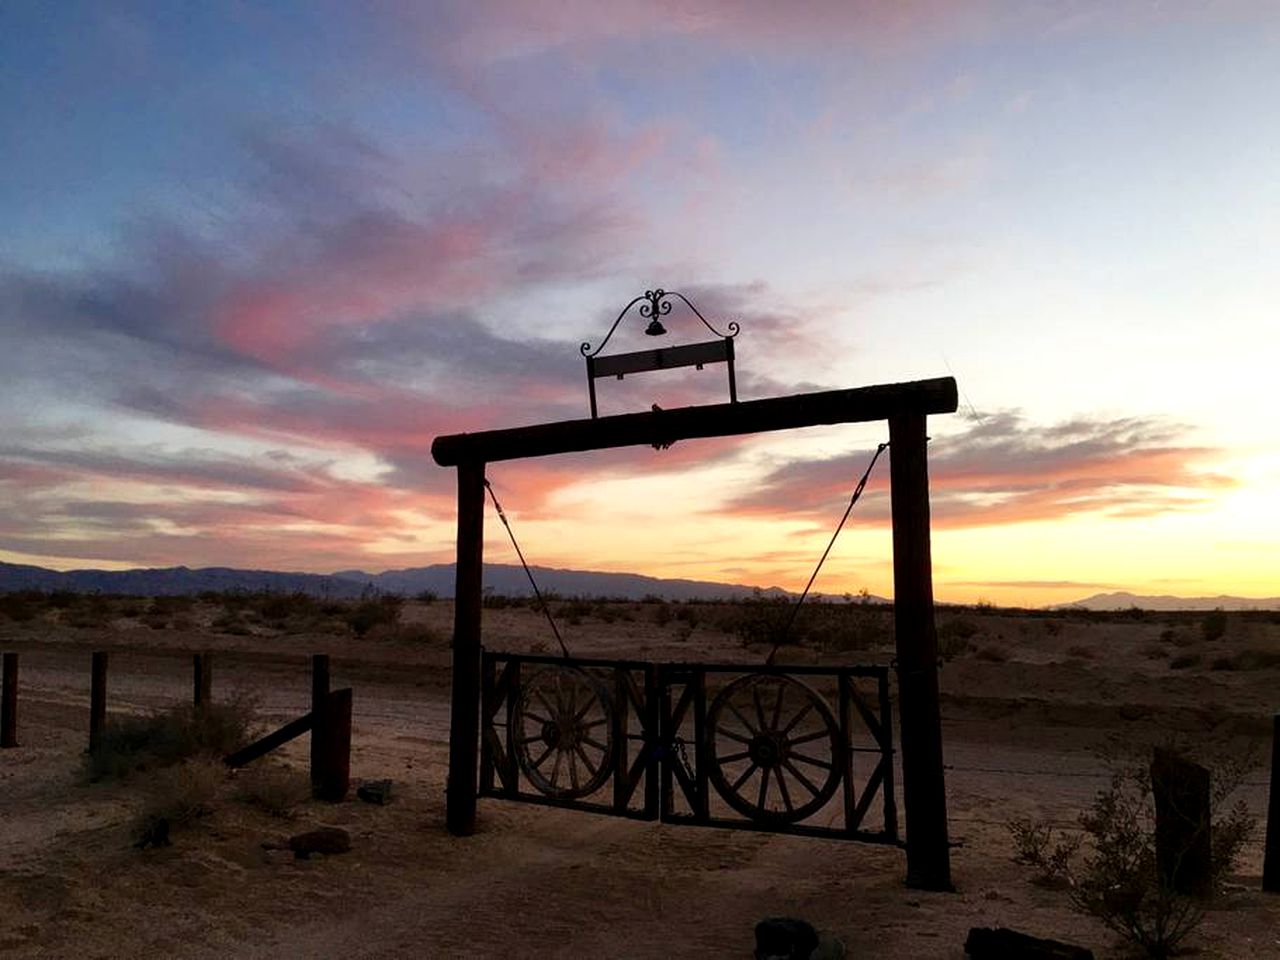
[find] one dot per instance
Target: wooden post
(201, 678)
(1180, 789)
(464, 716)
(332, 732)
(1271, 854)
(319, 694)
(97, 700)
(9, 703)
(915, 634)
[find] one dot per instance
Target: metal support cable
(527, 572)
(795, 610)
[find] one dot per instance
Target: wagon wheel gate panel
(806, 750)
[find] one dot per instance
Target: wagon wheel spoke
(745, 777)
(573, 771)
(743, 720)
(813, 760)
(555, 767)
(808, 737)
(755, 698)
(777, 706)
(538, 717)
(764, 788)
(782, 789)
(542, 757)
(734, 757)
(551, 711)
(795, 772)
(734, 736)
(796, 719)
(585, 759)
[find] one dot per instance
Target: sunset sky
(254, 257)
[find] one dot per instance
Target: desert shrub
(21, 606)
(230, 621)
(183, 792)
(1118, 880)
(662, 613)
(280, 607)
(272, 787)
(687, 614)
(91, 610)
(955, 637)
(1052, 627)
(371, 612)
(1214, 625)
(1185, 661)
(1082, 651)
(1050, 852)
(992, 654)
(762, 621)
(170, 736)
(1154, 651)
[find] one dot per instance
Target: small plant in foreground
(1119, 881)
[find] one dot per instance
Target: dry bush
(992, 654)
(1050, 852)
(1214, 625)
(1082, 651)
(183, 792)
(22, 606)
(1184, 662)
(371, 612)
(171, 736)
(1118, 880)
(272, 787)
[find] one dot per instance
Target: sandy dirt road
(534, 882)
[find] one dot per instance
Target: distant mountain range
(502, 579)
(499, 578)
(1125, 601)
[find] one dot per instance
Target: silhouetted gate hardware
(804, 750)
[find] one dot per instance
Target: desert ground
(1032, 703)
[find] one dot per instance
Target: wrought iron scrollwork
(564, 732)
(655, 304)
(775, 748)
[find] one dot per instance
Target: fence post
(201, 679)
(332, 734)
(9, 702)
(319, 693)
(97, 700)
(1271, 856)
(1181, 790)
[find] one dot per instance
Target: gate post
(464, 715)
(9, 703)
(924, 793)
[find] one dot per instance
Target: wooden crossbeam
(664, 427)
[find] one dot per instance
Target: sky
(257, 256)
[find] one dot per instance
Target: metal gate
(804, 750)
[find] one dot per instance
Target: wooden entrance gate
(806, 750)
(906, 407)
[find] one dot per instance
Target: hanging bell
(655, 328)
